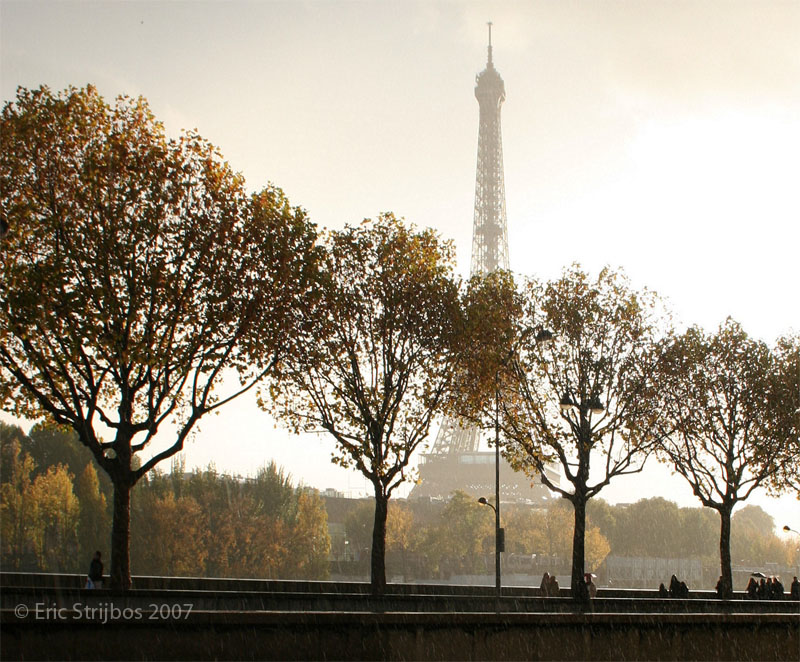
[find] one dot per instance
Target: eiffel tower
(455, 461)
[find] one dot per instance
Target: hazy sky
(660, 137)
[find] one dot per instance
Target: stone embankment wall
(432, 636)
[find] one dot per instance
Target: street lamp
(544, 338)
(499, 534)
(593, 404)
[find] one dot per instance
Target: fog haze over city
(659, 137)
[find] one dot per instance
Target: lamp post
(499, 542)
(543, 338)
(789, 528)
(499, 533)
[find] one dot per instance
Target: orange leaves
(375, 354)
(140, 270)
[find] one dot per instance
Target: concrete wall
(354, 636)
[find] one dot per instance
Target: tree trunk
(120, 537)
(726, 587)
(378, 557)
(578, 545)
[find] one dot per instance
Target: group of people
(550, 588)
(677, 589)
(771, 588)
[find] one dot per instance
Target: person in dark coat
(752, 588)
(662, 591)
(794, 590)
(590, 585)
(544, 587)
(96, 572)
(674, 587)
(582, 594)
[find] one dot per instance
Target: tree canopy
(577, 387)
(786, 392)
(138, 275)
(377, 359)
(728, 419)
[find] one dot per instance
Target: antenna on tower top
(490, 41)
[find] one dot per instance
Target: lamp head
(595, 405)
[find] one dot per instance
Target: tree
(526, 530)
(606, 517)
(16, 499)
(54, 520)
(377, 362)
(597, 547)
(557, 529)
(399, 528)
(137, 275)
(580, 387)
(650, 527)
(753, 538)
(175, 544)
(229, 526)
(50, 445)
(463, 538)
(729, 423)
(786, 388)
(358, 525)
(400, 533)
(12, 443)
(309, 543)
(246, 541)
(94, 522)
(696, 536)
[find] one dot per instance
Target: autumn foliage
(377, 360)
(138, 276)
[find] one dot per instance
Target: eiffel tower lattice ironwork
(489, 231)
(455, 461)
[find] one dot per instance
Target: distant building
(474, 473)
(639, 572)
